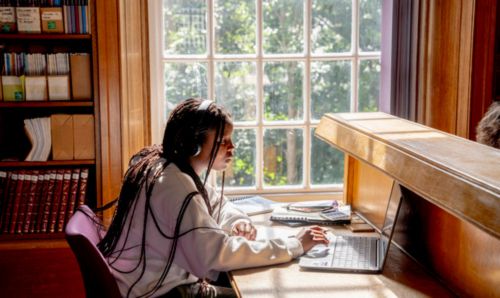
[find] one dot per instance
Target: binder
(28, 19)
(36, 88)
(8, 19)
(62, 136)
(81, 82)
(52, 19)
(13, 88)
(58, 87)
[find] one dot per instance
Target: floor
(39, 272)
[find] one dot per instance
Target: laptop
(364, 254)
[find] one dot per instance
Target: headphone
(203, 109)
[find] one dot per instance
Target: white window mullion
(210, 49)
(259, 134)
(156, 70)
(355, 60)
(307, 94)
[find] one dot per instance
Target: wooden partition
(449, 219)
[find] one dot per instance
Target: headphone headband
(204, 105)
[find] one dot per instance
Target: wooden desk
(401, 277)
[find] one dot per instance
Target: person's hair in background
(488, 129)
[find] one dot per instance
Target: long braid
(146, 167)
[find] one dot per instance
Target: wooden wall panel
(134, 78)
(440, 64)
(109, 99)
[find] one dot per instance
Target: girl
(170, 229)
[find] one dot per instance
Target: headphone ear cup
(197, 150)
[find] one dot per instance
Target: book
(23, 202)
(287, 216)
(82, 187)
(36, 201)
(45, 216)
(64, 200)
(16, 202)
(9, 200)
(30, 201)
(73, 192)
(56, 201)
(42, 201)
(253, 204)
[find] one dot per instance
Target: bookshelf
(15, 144)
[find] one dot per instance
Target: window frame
(307, 124)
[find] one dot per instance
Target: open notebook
(356, 253)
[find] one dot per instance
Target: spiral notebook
(253, 204)
(285, 215)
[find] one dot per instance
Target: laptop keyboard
(355, 252)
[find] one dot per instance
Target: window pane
(331, 26)
(283, 156)
(370, 12)
(235, 26)
(330, 87)
(185, 23)
(184, 80)
(242, 170)
(283, 90)
(236, 89)
(283, 28)
(369, 85)
(329, 172)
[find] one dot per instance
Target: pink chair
(83, 232)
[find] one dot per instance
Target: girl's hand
(245, 229)
(311, 236)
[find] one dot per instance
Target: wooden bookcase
(15, 144)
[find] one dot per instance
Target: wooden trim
(108, 51)
(135, 89)
(466, 38)
(482, 62)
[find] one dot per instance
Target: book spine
(37, 202)
(75, 178)
(42, 201)
(3, 185)
(56, 201)
(23, 202)
(64, 200)
(82, 189)
(10, 201)
(48, 202)
(5, 199)
(17, 202)
(30, 202)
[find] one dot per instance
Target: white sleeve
(208, 250)
(229, 214)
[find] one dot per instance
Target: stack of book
(323, 212)
(40, 201)
(38, 131)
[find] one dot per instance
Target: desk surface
(400, 277)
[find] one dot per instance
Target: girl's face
(223, 157)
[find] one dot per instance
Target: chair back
(83, 232)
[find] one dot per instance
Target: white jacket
(201, 253)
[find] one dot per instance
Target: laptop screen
(390, 219)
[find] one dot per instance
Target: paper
(253, 205)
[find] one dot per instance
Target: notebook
(253, 204)
(336, 216)
(356, 253)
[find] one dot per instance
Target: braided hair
(186, 128)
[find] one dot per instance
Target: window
(277, 66)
